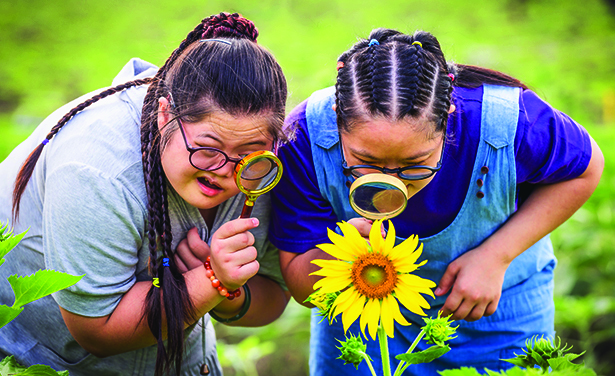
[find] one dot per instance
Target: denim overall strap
(326, 152)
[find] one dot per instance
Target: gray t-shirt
(85, 209)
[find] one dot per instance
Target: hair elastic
(242, 312)
(156, 282)
(340, 65)
(215, 40)
(45, 141)
(452, 76)
(165, 262)
(417, 43)
(372, 42)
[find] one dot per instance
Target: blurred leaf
(42, 283)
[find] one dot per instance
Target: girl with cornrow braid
(121, 190)
(490, 170)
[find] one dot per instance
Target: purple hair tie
(45, 141)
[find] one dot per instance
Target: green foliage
(353, 350)
(429, 354)
(10, 367)
(30, 288)
(516, 371)
(546, 355)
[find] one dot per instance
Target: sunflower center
(374, 275)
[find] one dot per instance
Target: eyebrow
(211, 136)
(365, 155)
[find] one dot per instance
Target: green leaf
(424, 356)
(8, 241)
(463, 371)
(10, 367)
(565, 363)
(40, 284)
(8, 313)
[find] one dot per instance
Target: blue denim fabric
(526, 305)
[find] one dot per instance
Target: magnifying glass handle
(247, 209)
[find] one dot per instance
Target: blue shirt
(549, 147)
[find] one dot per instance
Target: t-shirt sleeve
(300, 215)
(92, 226)
(550, 147)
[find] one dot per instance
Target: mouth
(208, 187)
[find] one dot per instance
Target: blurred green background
(53, 52)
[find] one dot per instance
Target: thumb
(447, 281)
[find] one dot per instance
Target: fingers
(464, 307)
(233, 256)
(191, 252)
(363, 225)
(447, 280)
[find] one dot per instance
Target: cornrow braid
(25, 173)
(229, 25)
(406, 75)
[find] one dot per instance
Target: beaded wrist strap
(215, 282)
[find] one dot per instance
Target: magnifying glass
(257, 173)
(378, 196)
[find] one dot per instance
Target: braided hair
(217, 67)
(395, 75)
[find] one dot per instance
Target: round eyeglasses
(415, 172)
(207, 158)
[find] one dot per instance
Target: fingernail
(255, 221)
(438, 291)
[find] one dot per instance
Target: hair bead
(416, 42)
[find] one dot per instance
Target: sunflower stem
(400, 367)
(369, 364)
(384, 351)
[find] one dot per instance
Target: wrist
(224, 316)
(217, 284)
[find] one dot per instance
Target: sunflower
(372, 276)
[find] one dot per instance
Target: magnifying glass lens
(377, 196)
(258, 174)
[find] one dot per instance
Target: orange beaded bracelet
(230, 295)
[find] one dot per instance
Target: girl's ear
(164, 114)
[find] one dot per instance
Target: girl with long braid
(133, 188)
(490, 170)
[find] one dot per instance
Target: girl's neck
(209, 215)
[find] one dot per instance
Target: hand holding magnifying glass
(256, 174)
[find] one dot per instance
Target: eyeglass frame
(398, 171)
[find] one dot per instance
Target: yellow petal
(414, 302)
(397, 314)
(336, 251)
(353, 246)
(331, 284)
(370, 317)
(352, 235)
(341, 302)
(351, 314)
(375, 236)
(389, 242)
(413, 281)
(406, 249)
(332, 264)
(386, 315)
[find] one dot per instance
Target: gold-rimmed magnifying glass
(378, 196)
(256, 174)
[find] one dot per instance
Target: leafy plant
(26, 290)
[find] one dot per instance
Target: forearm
(123, 330)
(268, 301)
(296, 269)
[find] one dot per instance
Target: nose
(226, 170)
